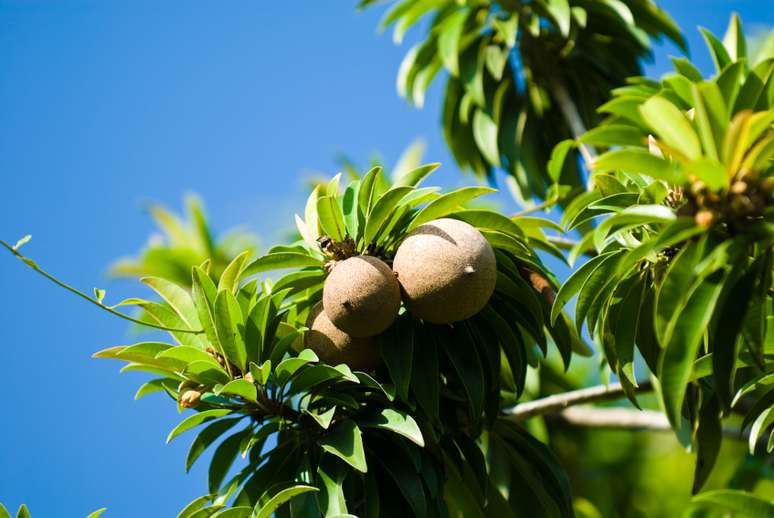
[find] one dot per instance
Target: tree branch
(573, 118)
(567, 244)
(626, 418)
(558, 402)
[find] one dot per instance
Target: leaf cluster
(523, 76)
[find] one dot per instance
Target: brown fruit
(361, 296)
(334, 346)
(447, 270)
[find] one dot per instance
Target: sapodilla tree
(430, 431)
(328, 434)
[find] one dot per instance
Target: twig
(573, 118)
(32, 264)
(537, 208)
(568, 244)
(626, 418)
(557, 402)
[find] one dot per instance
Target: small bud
(469, 269)
(698, 187)
(249, 377)
(739, 187)
(190, 398)
(705, 218)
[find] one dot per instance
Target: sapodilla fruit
(361, 296)
(333, 346)
(447, 270)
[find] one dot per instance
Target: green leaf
(675, 288)
(241, 511)
(382, 210)
(560, 12)
(489, 219)
(279, 261)
(406, 479)
(261, 372)
(287, 367)
(182, 355)
(447, 204)
(574, 283)
(632, 216)
(229, 279)
(345, 441)
(595, 289)
(4, 512)
(753, 385)
(687, 69)
(241, 388)
(397, 346)
(151, 387)
(732, 501)
(97, 513)
(711, 172)
(461, 351)
(709, 435)
(639, 161)
(203, 293)
(558, 157)
(266, 510)
(228, 320)
(194, 506)
(398, 422)
(719, 53)
(206, 373)
(680, 352)
(331, 476)
(672, 126)
(206, 437)
(195, 420)
(324, 419)
(415, 176)
(731, 315)
(761, 423)
(23, 512)
(314, 375)
(222, 459)
(425, 378)
(177, 298)
(449, 40)
(608, 135)
(331, 218)
(485, 136)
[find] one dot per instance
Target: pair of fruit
(444, 271)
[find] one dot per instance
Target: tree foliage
(676, 230)
(523, 76)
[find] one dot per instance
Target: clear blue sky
(105, 105)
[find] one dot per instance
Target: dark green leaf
(345, 441)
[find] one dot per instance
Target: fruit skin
(447, 271)
(333, 346)
(361, 296)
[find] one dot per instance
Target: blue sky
(106, 105)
